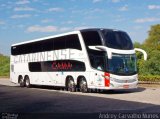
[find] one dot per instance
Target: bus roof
(68, 33)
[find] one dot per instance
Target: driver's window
(98, 62)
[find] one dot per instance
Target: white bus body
(86, 59)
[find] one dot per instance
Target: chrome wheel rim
(83, 86)
(27, 82)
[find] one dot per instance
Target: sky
(23, 20)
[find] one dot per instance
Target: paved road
(16, 100)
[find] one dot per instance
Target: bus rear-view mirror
(142, 51)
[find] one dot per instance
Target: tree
(151, 66)
(153, 40)
(152, 47)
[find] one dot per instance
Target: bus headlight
(112, 79)
(122, 81)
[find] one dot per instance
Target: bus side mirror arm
(102, 48)
(94, 48)
(144, 52)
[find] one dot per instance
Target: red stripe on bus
(107, 80)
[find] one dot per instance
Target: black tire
(70, 85)
(83, 85)
(21, 82)
(27, 82)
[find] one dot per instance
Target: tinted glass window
(14, 50)
(59, 43)
(98, 60)
(36, 47)
(122, 64)
(70, 41)
(117, 40)
(46, 45)
(58, 65)
(21, 49)
(91, 38)
(35, 67)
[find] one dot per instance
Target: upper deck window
(91, 38)
(59, 43)
(117, 40)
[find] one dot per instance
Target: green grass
(4, 66)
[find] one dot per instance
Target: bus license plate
(125, 86)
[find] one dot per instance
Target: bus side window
(72, 41)
(59, 43)
(98, 62)
(91, 38)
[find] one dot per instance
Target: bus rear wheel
(27, 82)
(21, 82)
(71, 85)
(83, 85)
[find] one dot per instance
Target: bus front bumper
(115, 86)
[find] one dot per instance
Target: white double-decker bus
(84, 59)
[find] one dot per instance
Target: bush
(151, 78)
(4, 65)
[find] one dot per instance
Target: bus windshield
(117, 40)
(122, 64)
